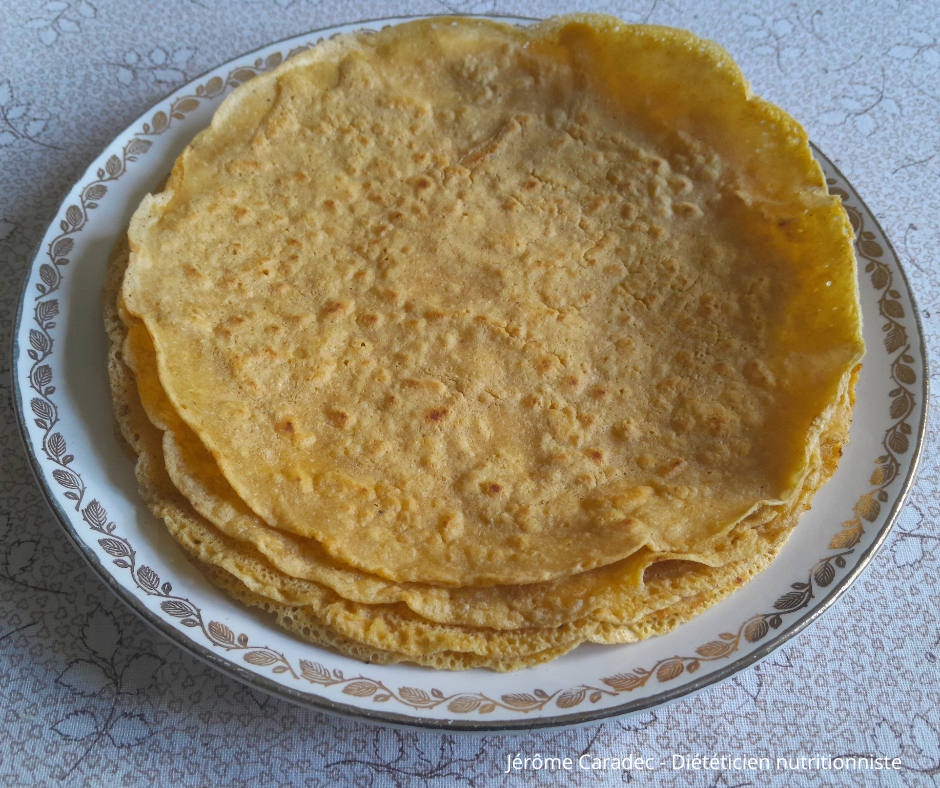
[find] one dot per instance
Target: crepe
(192, 471)
(677, 590)
(452, 341)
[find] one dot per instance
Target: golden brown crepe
(448, 336)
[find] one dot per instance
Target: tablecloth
(90, 696)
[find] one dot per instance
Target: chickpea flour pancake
(462, 344)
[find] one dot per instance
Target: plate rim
(322, 703)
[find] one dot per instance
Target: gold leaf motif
(175, 607)
(221, 633)
(898, 442)
(114, 547)
(519, 700)
(62, 247)
(845, 539)
(148, 579)
(260, 658)
(756, 630)
(464, 705)
(414, 695)
(113, 167)
(570, 698)
(625, 682)
(790, 601)
(715, 648)
(187, 105)
(315, 672)
(242, 75)
(899, 407)
(868, 507)
(47, 274)
(137, 146)
(824, 574)
(360, 689)
(670, 670)
(871, 249)
(893, 309)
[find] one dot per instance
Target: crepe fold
(464, 344)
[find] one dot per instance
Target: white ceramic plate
(64, 408)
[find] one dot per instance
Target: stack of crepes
(462, 344)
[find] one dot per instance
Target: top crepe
(473, 305)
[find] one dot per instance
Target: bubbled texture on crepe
(617, 589)
(388, 633)
(444, 314)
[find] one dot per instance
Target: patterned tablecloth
(90, 696)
